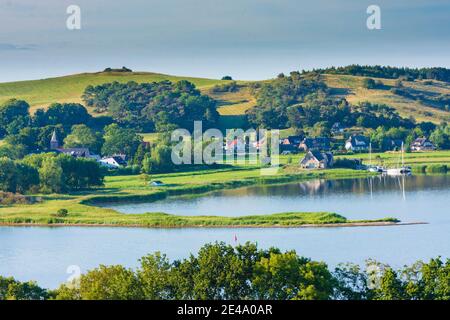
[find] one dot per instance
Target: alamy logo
(73, 21)
(238, 147)
(73, 281)
(374, 20)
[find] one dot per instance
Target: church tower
(54, 143)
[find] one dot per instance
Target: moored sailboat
(400, 170)
(370, 167)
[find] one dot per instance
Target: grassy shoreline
(84, 206)
(203, 189)
(163, 220)
(83, 210)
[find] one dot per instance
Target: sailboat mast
(403, 156)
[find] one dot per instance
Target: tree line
(221, 271)
(382, 138)
(441, 74)
(24, 133)
(304, 101)
(49, 173)
(153, 106)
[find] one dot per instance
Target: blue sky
(247, 39)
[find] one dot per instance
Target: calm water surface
(44, 254)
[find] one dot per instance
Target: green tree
(391, 287)
(434, 283)
(155, 277)
(120, 141)
(161, 159)
(51, 175)
(80, 173)
(220, 273)
(27, 178)
(65, 114)
(83, 136)
(441, 137)
(8, 175)
(11, 289)
(14, 115)
(369, 83)
(139, 156)
(104, 283)
(285, 276)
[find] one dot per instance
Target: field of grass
(41, 93)
(412, 159)
(163, 220)
(150, 137)
(234, 103)
(351, 88)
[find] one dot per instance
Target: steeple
(54, 143)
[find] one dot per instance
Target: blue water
(44, 254)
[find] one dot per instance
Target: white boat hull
(398, 171)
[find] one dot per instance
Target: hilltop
(233, 104)
(41, 93)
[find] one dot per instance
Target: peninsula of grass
(164, 220)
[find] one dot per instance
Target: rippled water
(44, 254)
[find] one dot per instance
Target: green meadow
(41, 93)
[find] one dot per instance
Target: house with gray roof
(317, 160)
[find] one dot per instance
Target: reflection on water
(369, 185)
(43, 254)
(380, 196)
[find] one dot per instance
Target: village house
(393, 144)
(337, 128)
(422, 144)
(317, 144)
(357, 143)
(113, 162)
(292, 141)
(74, 152)
(317, 160)
(290, 144)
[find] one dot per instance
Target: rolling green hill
(41, 93)
(352, 89)
(232, 105)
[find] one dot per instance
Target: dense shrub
(226, 87)
(9, 198)
(347, 163)
(436, 168)
(62, 213)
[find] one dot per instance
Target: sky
(247, 39)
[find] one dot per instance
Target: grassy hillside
(40, 93)
(351, 88)
(232, 105)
